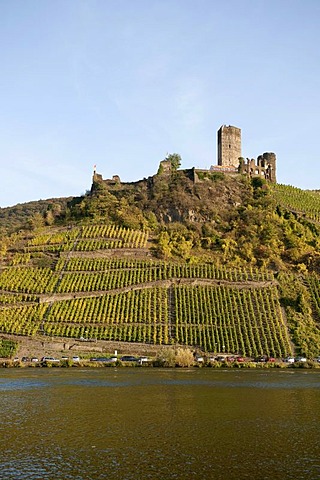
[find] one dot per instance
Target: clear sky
(119, 83)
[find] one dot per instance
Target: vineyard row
(43, 280)
(213, 318)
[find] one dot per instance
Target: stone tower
(229, 146)
(268, 163)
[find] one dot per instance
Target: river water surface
(159, 424)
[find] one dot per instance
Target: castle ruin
(229, 162)
(230, 159)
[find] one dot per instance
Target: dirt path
(44, 298)
(41, 346)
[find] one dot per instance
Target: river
(135, 423)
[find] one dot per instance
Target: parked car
(301, 359)
(261, 359)
(231, 359)
(289, 360)
(128, 358)
(104, 359)
(211, 359)
(34, 360)
(76, 359)
(199, 359)
(142, 360)
(50, 359)
(221, 358)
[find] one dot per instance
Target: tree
(184, 357)
(175, 160)
(164, 246)
(49, 217)
(36, 221)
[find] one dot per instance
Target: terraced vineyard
(135, 298)
(304, 202)
(233, 320)
(313, 282)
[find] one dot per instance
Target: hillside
(31, 214)
(223, 265)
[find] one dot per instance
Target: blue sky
(119, 83)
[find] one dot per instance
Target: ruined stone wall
(268, 162)
(264, 167)
(229, 146)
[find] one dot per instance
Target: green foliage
(8, 348)
(303, 202)
(36, 221)
(175, 160)
(258, 182)
(129, 216)
(172, 357)
(213, 176)
(184, 357)
(20, 216)
(295, 298)
(173, 243)
(49, 217)
(166, 357)
(160, 169)
(164, 248)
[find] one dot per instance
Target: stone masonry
(229, 146)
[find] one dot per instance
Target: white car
(301, 359)
(290, 360)
(50, 359)
(199, 359)
(142, 360)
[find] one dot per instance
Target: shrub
(8, 348)
(166, 357)
(184, 357)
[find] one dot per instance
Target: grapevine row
(24, 320)
(113, 274)
(303, 201)
(140, 315)
(28, 280)
(225, 319)
(95, 237)
(314, 289)
(168, 270)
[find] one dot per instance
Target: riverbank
(144, 362)
(56, 352)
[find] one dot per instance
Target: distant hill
(20, 216)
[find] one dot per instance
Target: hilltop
(223, 264)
